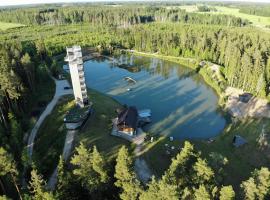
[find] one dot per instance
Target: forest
(91, 177)
(113, 16)
(27, 55)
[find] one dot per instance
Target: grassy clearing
(97, 129)
(50, 138)
(5, 26)
(256, 20)
(242, 160)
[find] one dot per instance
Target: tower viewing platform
(75, 61)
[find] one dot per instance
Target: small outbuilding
(245, 97)
(128, 120)
(238, 141)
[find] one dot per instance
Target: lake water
(182, 104)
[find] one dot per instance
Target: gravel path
(142, 170)
(59, 91)
(66, 153)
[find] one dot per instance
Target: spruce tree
(8, 167)
(37, 187)
(226, 193)
(201, 193)
(89, 168)
(125, 177)
(160, 190)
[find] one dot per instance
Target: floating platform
(129, 79)
(144, 117)
(144, 113)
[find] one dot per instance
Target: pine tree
(8, 167)
(201, 193)
(61, 180)
(89, 168)
(29, 69)
(37, 187)
(203, 173)
(258, 186)
(125, 176)
(160, 190)
(226, 193)
(179, 172)
(249, 189)
(4, 198)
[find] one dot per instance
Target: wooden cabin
(128, 120)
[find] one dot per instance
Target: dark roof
(129, 117)
(238, 141)
(245, 97)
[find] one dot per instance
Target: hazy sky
(19, 2)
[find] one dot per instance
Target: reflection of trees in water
(154, 66)
(100, 59)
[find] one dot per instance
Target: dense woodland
(90, 177)
(113, 16)
(26, 56)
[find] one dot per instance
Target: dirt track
(59, 91)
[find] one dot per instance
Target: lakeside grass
(242, 160)
(51, 136)
(97, 129)
(5, 25)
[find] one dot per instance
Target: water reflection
(181, 103)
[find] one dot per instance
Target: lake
(182, 105)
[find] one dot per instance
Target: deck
(137, 139)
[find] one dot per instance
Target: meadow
(5, 26)
(256, 20)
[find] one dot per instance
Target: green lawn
(242, 160)
(96, 131)
(256, 20)
(5, 26)
(51, 136)
(98, 128)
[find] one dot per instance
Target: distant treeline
(118, 16)
(256, 10)
(205, 8)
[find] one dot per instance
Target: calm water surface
(182, 104)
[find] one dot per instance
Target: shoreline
(191, 63)
(213, 77)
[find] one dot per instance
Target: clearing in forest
(5, 26)
(256, 20)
